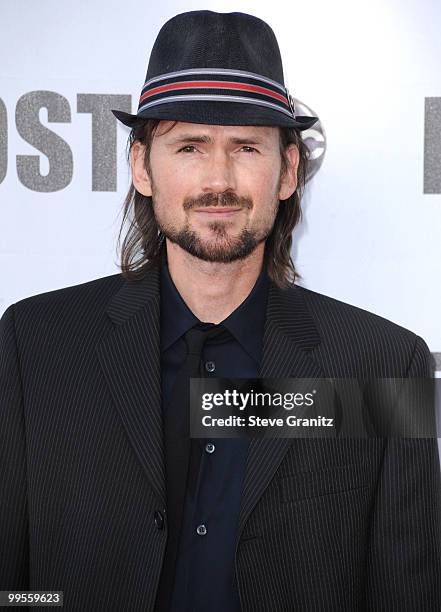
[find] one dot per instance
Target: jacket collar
(286, 310)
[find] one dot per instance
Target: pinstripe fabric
(327, 525)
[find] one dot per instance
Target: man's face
(215, 189)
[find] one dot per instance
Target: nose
(218, 173)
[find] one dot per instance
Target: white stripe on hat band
(216, 98)
(224, 71)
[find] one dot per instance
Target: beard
(223, 247)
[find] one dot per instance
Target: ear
(288, 183)
(140, 175)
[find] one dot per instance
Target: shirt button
(201, 530)
(210, 366)
(210, 448)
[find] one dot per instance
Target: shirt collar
(245, 323)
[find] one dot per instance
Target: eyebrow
(208, 140)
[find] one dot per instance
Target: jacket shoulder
(372, 343)
(75, 302)
(329, 309)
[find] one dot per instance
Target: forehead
(168, 131)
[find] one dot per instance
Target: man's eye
(185, 149)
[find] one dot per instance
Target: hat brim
(216, 113)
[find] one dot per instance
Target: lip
(221, 211)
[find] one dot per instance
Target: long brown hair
(144, 242)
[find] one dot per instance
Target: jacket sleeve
(14, 574)
(404, 553)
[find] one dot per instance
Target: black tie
(182, 455)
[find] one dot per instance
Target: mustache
(223, 200)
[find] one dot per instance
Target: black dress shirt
(205, 573)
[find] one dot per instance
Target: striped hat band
(217, 84)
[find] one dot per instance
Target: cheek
(274, 182)
(265, 189)
(266, 179)
(173, 182)
(168, 197)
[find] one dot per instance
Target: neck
(212, 291)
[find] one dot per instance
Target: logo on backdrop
(432, 145)
(48, 143)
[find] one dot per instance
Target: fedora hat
(216, 68)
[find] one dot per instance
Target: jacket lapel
(130, 359)
(289, 333)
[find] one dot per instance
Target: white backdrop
(370, 69)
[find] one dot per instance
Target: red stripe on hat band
(215, 84)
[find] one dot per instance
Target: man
(103, 494)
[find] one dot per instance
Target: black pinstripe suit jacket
(325, 524)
